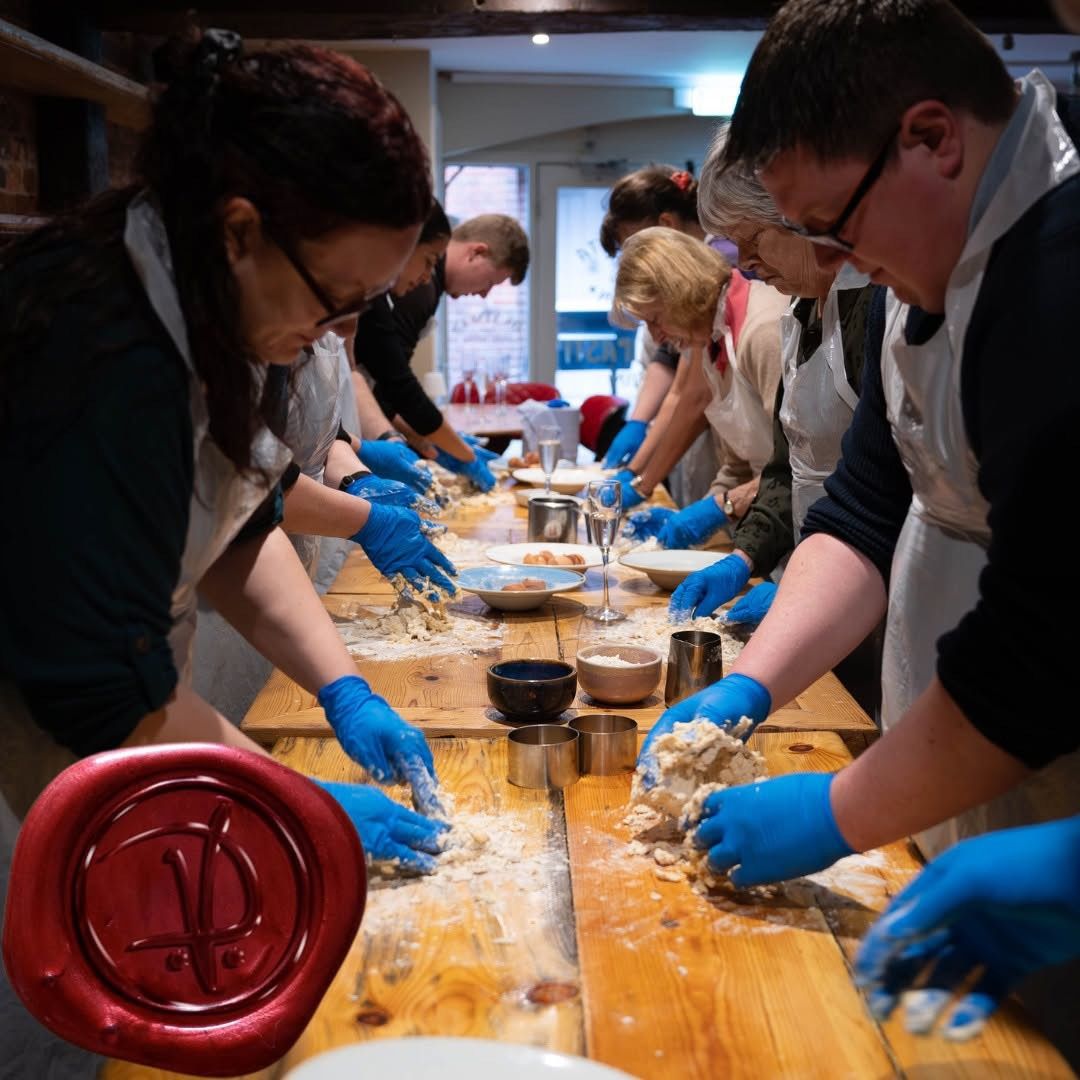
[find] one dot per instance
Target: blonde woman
(686, 293)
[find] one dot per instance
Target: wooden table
(491, 420)
(601, 958)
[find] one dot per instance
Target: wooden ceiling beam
(336, 20)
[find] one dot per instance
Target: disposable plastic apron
(817, 407)
(314, 418)
(222, 498)
(942, 546)
(737, 414)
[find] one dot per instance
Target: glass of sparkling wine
(603, 509)
(548, 449)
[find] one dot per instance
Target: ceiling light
(540, 39)
(716, 96)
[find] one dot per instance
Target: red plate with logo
(183, 906)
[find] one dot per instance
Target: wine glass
(468, 375)
(603, 509)
(548, 445)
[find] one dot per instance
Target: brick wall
(18, 154)
(489, 334)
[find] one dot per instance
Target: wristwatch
(729, 506)
(348, 481)
(636, 485)
(390, 436)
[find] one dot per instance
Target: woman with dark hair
(151, 332)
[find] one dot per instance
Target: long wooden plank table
(574, 944)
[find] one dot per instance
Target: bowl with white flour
(618, 674)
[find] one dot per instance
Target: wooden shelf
(13, 224)
(32, 64)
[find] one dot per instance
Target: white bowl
(669, 569)
(524, 495)
(487, 582)
(564, 481)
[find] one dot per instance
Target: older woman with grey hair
(822, 349)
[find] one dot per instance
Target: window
(491, 333)
(594, 357)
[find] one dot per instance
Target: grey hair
(731, 195)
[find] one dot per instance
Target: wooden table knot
(800, 748)
(551, 993)
(372, 1016)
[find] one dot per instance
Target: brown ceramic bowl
(633, 680)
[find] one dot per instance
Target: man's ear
(479, 250)
(242, 225)
(933, 125)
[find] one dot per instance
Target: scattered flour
(489, 865)
(650, 627)
(407, 631)
(461, 551)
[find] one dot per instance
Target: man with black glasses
(890, 133)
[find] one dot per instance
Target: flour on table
(407, 630)
(625, 544)
(487, 863)
(650, 627)
(462, 551)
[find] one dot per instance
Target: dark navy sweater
(98, 477)
(1003, 664)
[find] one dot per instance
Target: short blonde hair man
(499, 239)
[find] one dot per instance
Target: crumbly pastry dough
(694, 760)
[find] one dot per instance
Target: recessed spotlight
(540, 39)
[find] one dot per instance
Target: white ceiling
(670, 57)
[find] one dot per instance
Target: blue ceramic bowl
(487, 583)
(531, 691)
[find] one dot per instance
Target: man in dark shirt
(933, 172)
(483, 252)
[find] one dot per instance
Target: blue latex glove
(387, 829)
(694, 525)
(372, 734)
(476, 471)
(477, 446)
(647, 523)
(391, 493)
(754, 606)
(626, 443)
(705, 590)
(396, 461)
(724, 703)
(624, 475)
(1008, 901)
(394, 540)
(772, 830)
(630, 497)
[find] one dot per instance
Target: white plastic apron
(312, 427)
(737, 415)
(942, 547)
(222, 499)
(817, 407)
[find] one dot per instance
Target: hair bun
(196, 53)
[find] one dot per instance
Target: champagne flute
(548, 449)
(468, 375)
(603, 509)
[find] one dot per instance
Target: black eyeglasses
(830, 237)
(334, 314)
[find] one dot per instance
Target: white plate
(426, 1057)
(669, 569)
(564, 481)
(514, 554)
(523, 495)
(487, 582)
